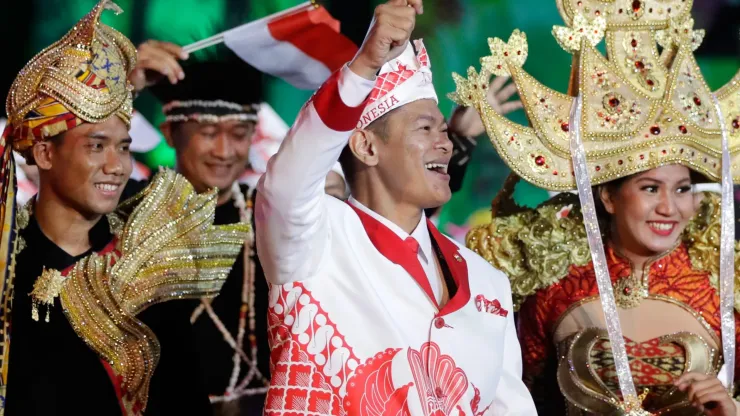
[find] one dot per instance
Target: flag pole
(219, 38)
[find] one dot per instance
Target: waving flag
(303, 45)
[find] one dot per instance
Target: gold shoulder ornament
(168, 249)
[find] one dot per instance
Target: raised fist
(389, 33)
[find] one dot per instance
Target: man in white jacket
(372, 310)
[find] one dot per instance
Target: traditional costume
(231, 330)
(596, 338)
(355, 324)
(89, 333)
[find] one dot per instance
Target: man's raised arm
(291, 219)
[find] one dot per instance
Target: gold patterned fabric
(166, 249)
(641, 108)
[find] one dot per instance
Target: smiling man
(372, 310)
(84, 327)
(210, 124)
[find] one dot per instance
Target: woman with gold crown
(627, 288)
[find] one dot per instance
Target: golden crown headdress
(83, 77)
(643, 107)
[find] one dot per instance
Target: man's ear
(43, 154)
(166, 129)
(364, 147)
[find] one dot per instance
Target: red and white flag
(302, 45)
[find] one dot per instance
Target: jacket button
(439, 323)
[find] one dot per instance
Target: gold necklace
(630, 291)
(49, 285)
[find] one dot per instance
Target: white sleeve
(290, 211)
(512, 396)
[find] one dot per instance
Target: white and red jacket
(355, 326)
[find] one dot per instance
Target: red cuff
(332, 111)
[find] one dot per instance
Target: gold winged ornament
(167, 249)
(635, 109)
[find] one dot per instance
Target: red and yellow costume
(642, 105)
(670, 317)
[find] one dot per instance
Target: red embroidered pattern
(389, 81)
(492, 307)
(438, 380)
(654, 365)
(311, 364)
(670, 276)
(371, 392)
(310, 359)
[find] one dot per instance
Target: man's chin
(223, 185)
(98, 209)
(438, 200)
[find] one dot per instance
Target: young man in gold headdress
(89, 335)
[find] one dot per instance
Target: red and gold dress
(669, 313)
(641, 105)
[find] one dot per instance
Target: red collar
(390, 245)
(109, 248)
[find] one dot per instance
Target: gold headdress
(81, 78)
(635, 109)
(641, 108)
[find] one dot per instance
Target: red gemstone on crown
(565, 127)
(614, 102)
(639, 65)
(636, 6)
(539, 160)
(683, 129)
(634, 43)
(736, 123)
(620, 162)
(655, 130)
(650, 82)
(697, 100)
(598, 168)
(627, 290)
